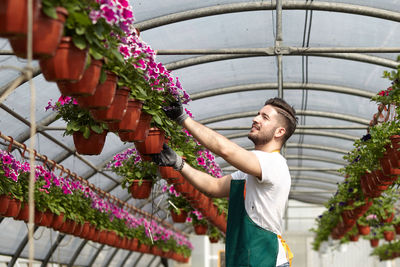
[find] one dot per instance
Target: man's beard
(261, 138)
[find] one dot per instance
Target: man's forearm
(205, 183)
(212, 140)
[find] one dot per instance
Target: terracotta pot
(86, 86)
(78, 229)
(141, 191)
(200, 229)
(141, 132)
(103, 96)
(23, 213)
(47, 33)
(4, 201)
(67, 64)
(142, 248)
(169, 174)
(117, 108)
(85, 230)
(13, 17)
(354, 238)
(47, 218)
(67, 227)
(389, 218)
(103, 236)
(153, 142)
(96, 235)
(374, 242)
(111, 238)
(14, 206)
(179, 218)
(363, 229)
(389, 235)
(91, 146)
(134, 245)
(38, 217)
(130, 120)
(58, 221)
(213, 239)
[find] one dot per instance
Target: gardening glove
(168, 157)
(176, 112)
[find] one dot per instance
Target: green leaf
(95, 54)
(86, 132)
(103, 76)
(80, 30)
(79, 41)
(96, 128)
(50, 11)
(157, 120)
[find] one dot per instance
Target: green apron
(247, 244)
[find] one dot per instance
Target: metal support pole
(278, 41)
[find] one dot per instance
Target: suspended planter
(169, 174)
(58, 221)
(47, 218)
(117, 108)
(93, 145)
(103, 96)
(213, 239)
(78, 229)
(13, 17)
(4, 201)
(141, 189)
(389, 235)
(67, 64)
(86, 86)
(153, 142)
(363, 229)
(23, 213)
(374, 242)
(47, 33)
(354, 238)
(141, 132)
(200, 229)
(130, 120)
(14, 206)
(179, 218)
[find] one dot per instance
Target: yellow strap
(289, 254)
(276, 151)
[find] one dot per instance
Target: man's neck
(269, 147)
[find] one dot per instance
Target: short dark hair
(288, 113)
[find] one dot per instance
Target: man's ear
(279, 132)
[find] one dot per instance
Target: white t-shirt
(266, 198)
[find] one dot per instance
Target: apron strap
(289, 254)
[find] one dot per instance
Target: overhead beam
(267, 5)
(348, 56)
(325, 114)
(309, 127)
(286, 86)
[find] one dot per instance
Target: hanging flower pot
(91, 146)
(388, 235)
(111, 238)
(117, 108)
(68, 226)
(67, 64)
(374, 242)
(363, 229)
(389, 218)
(134, 245)
(47, 33)
(153, 142)
(85, 230)
(200, 229)
(103, 96)
(38, 216)
(169, 174)
(13, 17)
(213, 239)
(103, 236)
(86, 86)
(47, 218)
(4, 201)
(141, 132)
(354, 238)
(58, 221)
(14, 206)
(23, 213)
(141, 191)
(78, 229)
(130, 120)
(179, 218)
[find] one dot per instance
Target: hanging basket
(153, 142)
(200, 229)
(354, 238)
(141, 191)
(130, 120)
(47, 33)
(141, 132)
(213, 239)
(363, 229)
(14, 207)
(78, 229)
(374, 242)
(103, 96)
(86, 86)
(13, 17)
(389, 235)
(23, 213)
(117, 108)
(47, 219)
(58, 221)
(179, 218)
(4, 201)
(91, 146)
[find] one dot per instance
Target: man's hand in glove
(168, 157)
(176, 112)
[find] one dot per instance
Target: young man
(257, 193)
